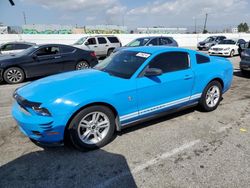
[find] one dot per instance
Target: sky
(131, 13)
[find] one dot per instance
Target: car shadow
(157, 120)
(241, 75)
(65, 167)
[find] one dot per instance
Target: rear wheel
(14, 75)
(110, 51)
(92, 128)
(211, 96)
(82, 65)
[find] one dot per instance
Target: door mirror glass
(86, 43)
(153, 72)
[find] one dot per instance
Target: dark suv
(150, 41)
(245, 59)
(209, 42)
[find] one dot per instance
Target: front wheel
(13, 75)
(232, 53)
(92, 128)
(211, 96)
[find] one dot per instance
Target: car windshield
(27, 51)
(227, 42)
(138, 42)
(123, 64)
(80, 41)
(209, 39)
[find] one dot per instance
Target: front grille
(217, 49)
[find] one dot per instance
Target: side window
(171, 61)
(200, 59)
(153, 42)
(101, 40)
(241, 41)
(8, 47)
(91, 41)
(113, 40)
(22, 46)
(67, 49)
(51, 50)
(164, 41)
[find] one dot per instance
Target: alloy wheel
(93, 127)
(213, 96)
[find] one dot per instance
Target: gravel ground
(186, 149)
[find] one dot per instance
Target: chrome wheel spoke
(86, 135)
(103, 124)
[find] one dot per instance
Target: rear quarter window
(113, 39)
(201, 59)
(67, 49)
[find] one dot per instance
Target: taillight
(93, 54)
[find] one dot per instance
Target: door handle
(57, 57)
(188, 77)
(106, 45)
(95, 46)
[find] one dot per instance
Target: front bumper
(245, 65)
(40, 128)
(221, 52)
(203, 47)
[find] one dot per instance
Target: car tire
(232, 53)
(13, 75)
(82, 65)
(199, 48)
(211, 96)
(92, 128)
(110, 51)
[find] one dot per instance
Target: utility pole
(12, 2)
(205, 25)
(24, 18)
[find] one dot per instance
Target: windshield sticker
(144, 55)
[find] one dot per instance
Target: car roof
(154, 49)
(152, 37)
(39, 45)
(20, 42)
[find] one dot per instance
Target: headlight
(225, 49)
(41, 111)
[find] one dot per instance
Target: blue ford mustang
(132, 85)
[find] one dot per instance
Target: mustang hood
(54, 87)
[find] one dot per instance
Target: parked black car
(209, 42)
(44, 60)
(245, 60)
(150, 41)
(14, 47)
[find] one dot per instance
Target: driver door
(172, 88)
(46, 61)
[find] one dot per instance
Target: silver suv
(102, 45)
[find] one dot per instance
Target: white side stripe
(159, 107)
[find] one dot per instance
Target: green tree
(243, 27)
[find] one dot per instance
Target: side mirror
(86, 43)
(153, 72)
(34, 56)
